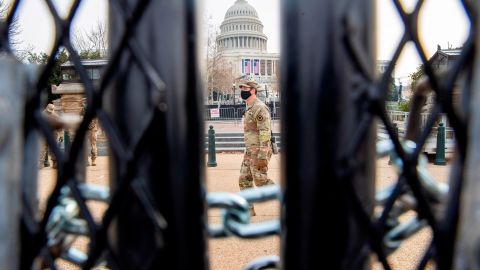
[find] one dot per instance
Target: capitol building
(243, 45)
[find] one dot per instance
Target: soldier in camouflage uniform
(258, 150)
(52, 116)
(92, 138)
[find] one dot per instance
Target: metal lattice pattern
(433, 206)
(173, 232)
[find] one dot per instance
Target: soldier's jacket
(54, 116)
(93, 125)
(257, 129)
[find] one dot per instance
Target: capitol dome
(241, 7)
(241, 29)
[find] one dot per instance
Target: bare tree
(220, 74)
(92, 44)
(14, 29)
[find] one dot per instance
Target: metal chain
(236, 213)
(436, 193)
(64, 224)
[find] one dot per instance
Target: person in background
(92, 139)
(52, 117)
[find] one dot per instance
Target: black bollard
(212, 160)
(392, 154)
(440, 153)
(66, 141)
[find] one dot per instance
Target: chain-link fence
(149, 103)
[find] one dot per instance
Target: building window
(93, 73)
(246, 66)
(262, 67)
(70, 75)
(256, 66)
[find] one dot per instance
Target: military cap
(250, 83)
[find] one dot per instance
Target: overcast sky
(36, 22)
(443, 22)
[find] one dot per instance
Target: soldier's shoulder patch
(260, 118)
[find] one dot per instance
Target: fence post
(440, 153)
(212, 159)
(466, 248)
(317, 83)
(66, 141)
(170, 159)
(12, 160)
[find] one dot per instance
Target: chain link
(64, 224)
(264, 263)
(436, 192)
(236, 213)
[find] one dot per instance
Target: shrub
(404, 106)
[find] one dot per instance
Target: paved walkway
(234, 253)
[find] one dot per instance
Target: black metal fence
(149, 103)
(232, 113)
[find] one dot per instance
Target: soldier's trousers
(92, 138)
(249, 173)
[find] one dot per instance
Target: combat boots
(252, 211)
(94, 157)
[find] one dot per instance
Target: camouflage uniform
(257, 146)
(92, 138)
(49, 111)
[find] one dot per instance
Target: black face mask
(245, 94)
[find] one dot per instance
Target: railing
(225, 114)
(402, 117)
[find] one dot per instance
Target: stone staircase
(225, 142)
(233, 142)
